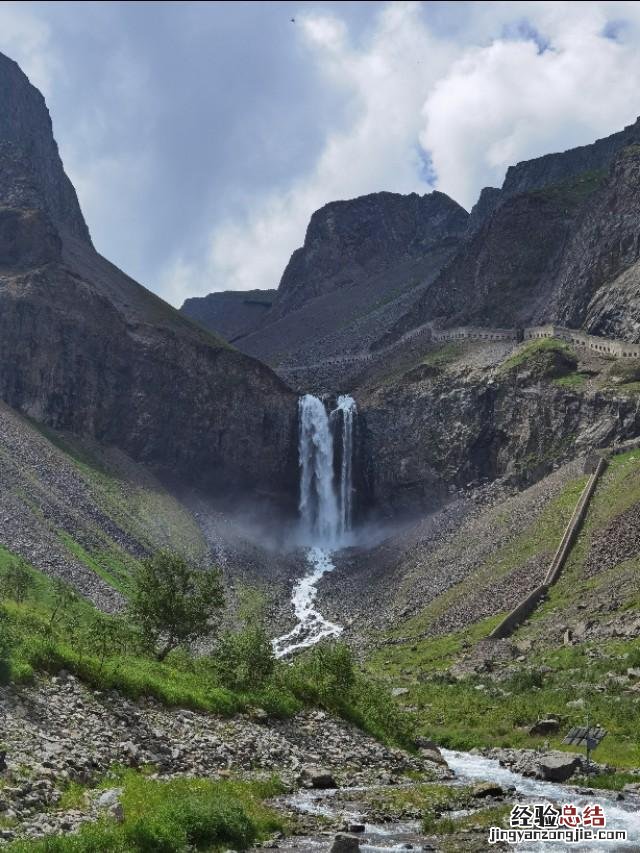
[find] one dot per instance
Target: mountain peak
(31, 172)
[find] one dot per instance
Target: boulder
(632, 788)
(109, 798)
(487, 789)
(557, 767)
(317, 777)
(344, 842)
(549, 725)
(399, 691)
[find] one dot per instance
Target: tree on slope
(173, 603)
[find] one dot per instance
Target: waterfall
(326, 513)
(347, 407)
(318, 503)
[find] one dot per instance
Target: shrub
(6, 644)
(173, 602)
(244, 659)
(17, 581)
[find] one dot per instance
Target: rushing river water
(469, 768)
(311, 626)
(620, 815)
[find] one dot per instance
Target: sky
(202, 136)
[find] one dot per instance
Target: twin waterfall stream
(326, 510)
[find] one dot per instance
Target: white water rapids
(401, 835)
(475, 767)
(326, 512)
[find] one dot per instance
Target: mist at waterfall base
(326, 511)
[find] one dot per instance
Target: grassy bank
(496, 708)
(171, 817)
(48, 628)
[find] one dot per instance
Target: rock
(356, 827)
(399, 691)
(39, 210)
(109, 798)
(544, 727)
(558, 767)
(259, 715)
(117, 812)
(132, 752)
(317, 777)
(633, 672)
(433, 754)
(567, 637)
(345, 843)
(487, 789)
(632, 788)
(576, 703)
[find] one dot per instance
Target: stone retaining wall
(602, 346)
(526, 607)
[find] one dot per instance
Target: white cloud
(508, 101)
(476, 104)
(387, 80)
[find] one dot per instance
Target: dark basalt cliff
(31, 173)
(349, 240)
(363, 262)
(558, 243)
(424, 438)
(231, 312)
(85, 348)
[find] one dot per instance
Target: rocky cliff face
(432, 432)
(85, 348)
(349, 240)
(557, 244)
(598, 282)
(363, 262)
(31, 173)
(552, 169)
(231, 312)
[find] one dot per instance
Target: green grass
(575, 381)
(483, 711)
(539, 538)
(443, 355)
(112, 567)
(139, 505)
(107, 653)
(548, 358)
(573, 191)
(479, 711)
(424, 797)
(174, 816)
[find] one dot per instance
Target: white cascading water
(347, 408)
(326, 515)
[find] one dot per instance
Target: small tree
(17, 581)
(6, 644)
(63, 602)
(244, 659)
(174, 603)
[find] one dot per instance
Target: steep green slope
(82, 512)
(577, 654)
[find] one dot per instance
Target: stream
(311, 626)
(468, 769)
